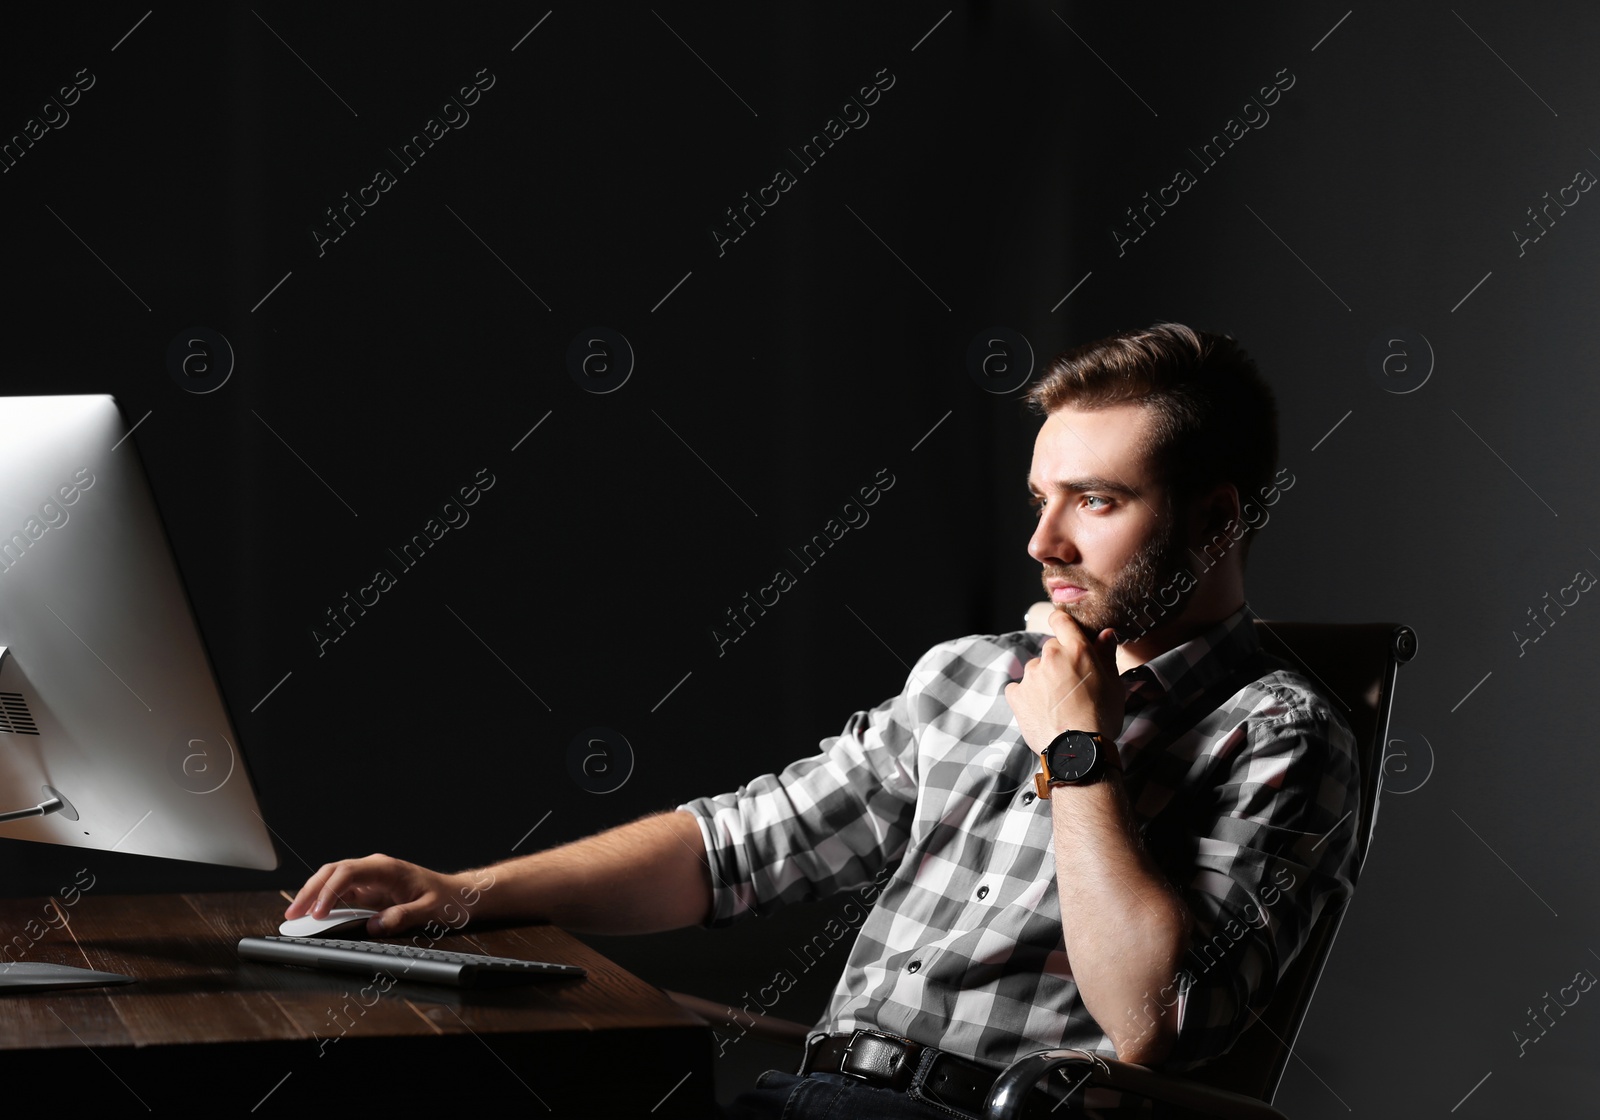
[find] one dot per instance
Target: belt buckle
(844, 1059)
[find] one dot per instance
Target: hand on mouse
(404, 894)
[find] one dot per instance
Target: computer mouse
(339, 923)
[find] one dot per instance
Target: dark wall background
(772, 380)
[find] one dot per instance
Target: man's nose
(1050, 542)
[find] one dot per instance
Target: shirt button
(913, 966)
(983, 892)
(1027, 798)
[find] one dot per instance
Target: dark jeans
(828, 1096)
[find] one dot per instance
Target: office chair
(1356, 666)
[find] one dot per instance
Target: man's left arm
(1273, 844)
(1125, 928)
(1170, 976)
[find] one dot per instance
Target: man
(1141, 896)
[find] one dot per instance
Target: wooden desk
(206, 1033)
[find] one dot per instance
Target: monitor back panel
(106, 692)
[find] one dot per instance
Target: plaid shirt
(927, 801)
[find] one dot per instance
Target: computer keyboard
(403, 962)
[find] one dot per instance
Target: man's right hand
(642, 877)
(404, 894)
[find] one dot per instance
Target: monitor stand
(36, 975)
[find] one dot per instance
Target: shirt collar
(1184, 672)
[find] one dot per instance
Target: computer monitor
(113, 733)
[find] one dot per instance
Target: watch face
(1072, 756)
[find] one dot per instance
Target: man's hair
(1213, 417)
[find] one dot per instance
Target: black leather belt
(893, 1062)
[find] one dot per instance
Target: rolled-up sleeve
(828, 823)
(1275, 845)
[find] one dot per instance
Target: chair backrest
(1355, 666)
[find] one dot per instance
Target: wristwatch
(1073, 758)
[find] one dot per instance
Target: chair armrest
(732, 1020)
(1012, 1088)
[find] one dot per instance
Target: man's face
(1107, 544)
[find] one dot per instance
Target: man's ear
(1216, 509)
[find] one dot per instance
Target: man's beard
(1142, 594)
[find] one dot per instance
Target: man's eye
(1038, 504)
